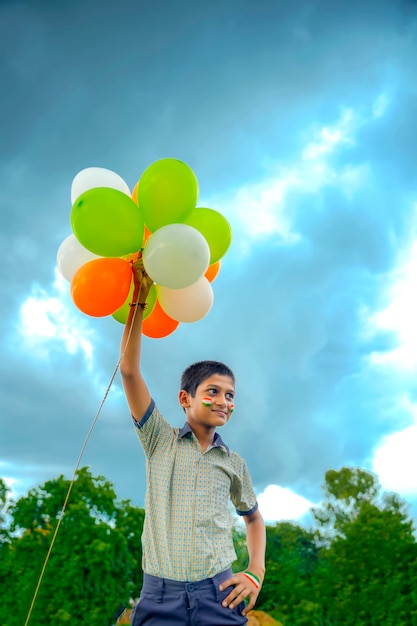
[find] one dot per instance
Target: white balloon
(93, 177)
(71, 256)
(189, 304)
(176, 256)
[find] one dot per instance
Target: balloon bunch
(181, 245)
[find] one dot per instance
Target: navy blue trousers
(166, 602)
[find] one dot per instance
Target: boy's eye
(213, 392)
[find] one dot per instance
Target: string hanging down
(77, 465)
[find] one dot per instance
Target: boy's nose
(221, 400)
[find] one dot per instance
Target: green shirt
(187, 534)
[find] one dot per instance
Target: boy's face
(212, 404)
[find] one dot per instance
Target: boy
(191, 473)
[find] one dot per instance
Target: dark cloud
(237, 90)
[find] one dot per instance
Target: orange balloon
(158, 324)
(212, 271)
(135, 193)
(146, 235)
(101, 286)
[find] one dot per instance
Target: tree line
(356, 565)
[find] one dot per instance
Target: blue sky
(299, 122)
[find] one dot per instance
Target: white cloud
(46, 318)
(330, 137)
(381, 104)
(401, 314)
(21, 477)
(395, 461)
(262, 208)
(279, 503)
(12, 484)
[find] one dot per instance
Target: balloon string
(77, 465)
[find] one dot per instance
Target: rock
(124, 618)
(260, 618)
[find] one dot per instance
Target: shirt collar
(217, 440)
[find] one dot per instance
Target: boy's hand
(242, 588)
(142, 281)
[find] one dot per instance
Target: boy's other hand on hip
(243, 589)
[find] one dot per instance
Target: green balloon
(167, 193)
(215, 228)
(122, 314)
(108, 222)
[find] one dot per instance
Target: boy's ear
(184, 399)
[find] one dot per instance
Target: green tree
(4, 534)
(239, 542)
(345, 491)
(5, 503)
(368, 562)
(94, 564)
(291, 561)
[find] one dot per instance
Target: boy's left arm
(243, 587)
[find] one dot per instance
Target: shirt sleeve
(153, 430)
(242, 493)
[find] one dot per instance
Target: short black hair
(198, 372)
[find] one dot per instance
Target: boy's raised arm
(137, 393)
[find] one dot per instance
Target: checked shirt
(187, 533)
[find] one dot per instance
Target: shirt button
(199, 493)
